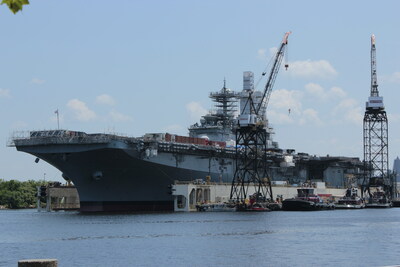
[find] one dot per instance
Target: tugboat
(305, 200)
(350, 201)
(396, 203)
(396, 200)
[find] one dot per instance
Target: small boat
(254, 207)
(255, 202)
(396, 203)
(305, 200)
(350, 201)
(216, 207)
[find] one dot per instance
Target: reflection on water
(331, 238)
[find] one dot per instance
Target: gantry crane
(377, 184)
(251, 141)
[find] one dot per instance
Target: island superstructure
(218, 123)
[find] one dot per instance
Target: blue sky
(134, 67)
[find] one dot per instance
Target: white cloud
(279, 117)
(315, 90)
(320, 93)
(345, 104)
(175, 129)
(119, 117)
(261, 53)
(354, 115)
(105, 99)
(393, 78)
(350, 110)
(273, 51)
(311, 106)
(312, 69)
(37, 81)
(310, 116)
(4, 93)
(195, 110)
(284, 106)
(337, 91)
(284, 100)
(82, 112)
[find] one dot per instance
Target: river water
(369, 237)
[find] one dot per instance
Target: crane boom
(374, 80)
(273, 73)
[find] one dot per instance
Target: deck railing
(28, 138)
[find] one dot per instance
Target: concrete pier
(58, 197)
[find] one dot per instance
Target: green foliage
(15, 5)
(16, 195)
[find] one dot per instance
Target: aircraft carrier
(118, 173)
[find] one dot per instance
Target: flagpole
(58, 121)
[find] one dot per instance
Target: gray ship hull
(116, 176)
(114, 173)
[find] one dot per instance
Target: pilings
(38, 263)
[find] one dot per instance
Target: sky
(136, 67)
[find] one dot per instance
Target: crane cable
(286, 64)
(286, 60)
(263, 74)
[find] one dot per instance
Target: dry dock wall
(188, 195)
(59, 198)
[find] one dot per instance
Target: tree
(15, 5)
(16, 195)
